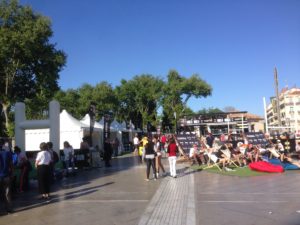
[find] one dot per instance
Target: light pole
(92, 114)
(107, 119)
(175, 116)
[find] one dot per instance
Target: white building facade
(289, 104)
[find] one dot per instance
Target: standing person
(115, 145)
(157, 149)
(6, 172)
(140, 152)
(25, 166)
(107, 153)
(54, 160)
(136, 143)
(150, 159)
(172, 150)
(85, 149)
(163, 141)
(69, 157)
(42, 163)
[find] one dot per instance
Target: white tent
(123, 126)
(115, 125)
(86, 120)
(97, 132)
(71, 130)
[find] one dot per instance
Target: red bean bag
(263, 166)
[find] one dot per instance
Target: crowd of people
(242, 153)
(150, 150)
(15, 167)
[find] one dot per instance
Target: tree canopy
(29, 63)
(178, 90)
(140, 98)
(29, 71)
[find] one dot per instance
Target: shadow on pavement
(30, 203)
(30, 199)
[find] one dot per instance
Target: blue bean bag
(286, 166)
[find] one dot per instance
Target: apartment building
(289, 104)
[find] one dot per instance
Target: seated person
(235, 154)
(224, 156)
(249, 153)
(196, 155)
(240, 150)
(256, 153)
(298, 149)
(279, 147)
(252, 153)
(292, 161)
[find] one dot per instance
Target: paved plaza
(120, 195)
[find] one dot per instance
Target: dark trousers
(5, 192)
(44, 178)
(24, 179)
(200, 158)
(150, 163)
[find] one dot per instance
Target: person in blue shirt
(6, 171)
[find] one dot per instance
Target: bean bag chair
(262, 166)
(285, 165)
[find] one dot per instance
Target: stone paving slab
(119, 195)
(270, 199)
(173, 203)
(104, 196)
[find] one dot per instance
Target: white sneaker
(157, 175)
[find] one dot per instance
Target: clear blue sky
(233, 44)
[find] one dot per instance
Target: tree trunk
(5, 107)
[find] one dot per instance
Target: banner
(187, 140)
(256, 138)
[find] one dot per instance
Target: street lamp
(175, 116)
(107, 119)
(92, 114)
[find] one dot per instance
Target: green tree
(105, 98)
(139, 99)
(178, 90)
(85, 93)
(77, 101)
(209, 110)
(230, 109)
(29, 63)
(69, 100)
(126, 110)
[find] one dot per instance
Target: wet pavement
(120, 195)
